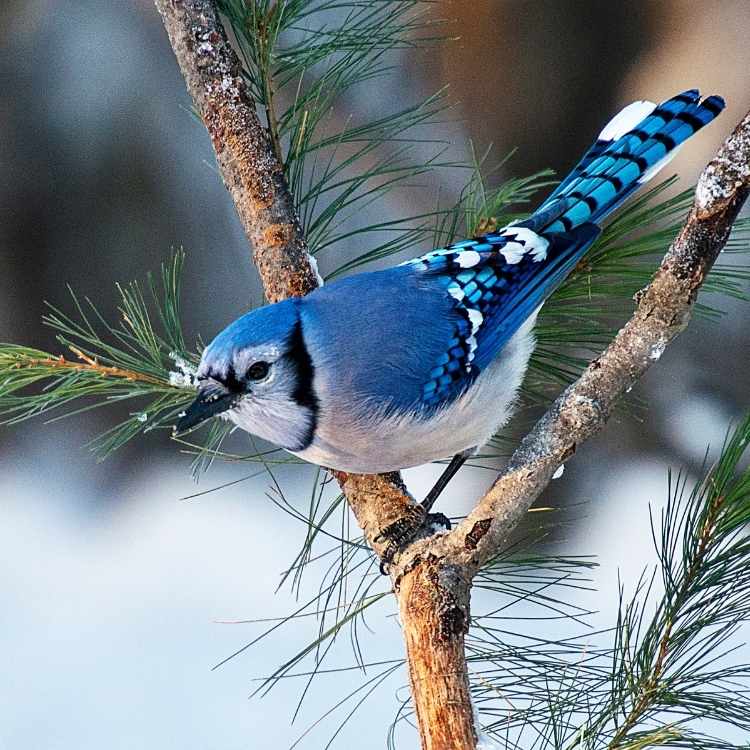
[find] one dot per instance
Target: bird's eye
(258, 370)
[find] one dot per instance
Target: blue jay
(399, 367)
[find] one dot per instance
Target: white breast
(359, 439)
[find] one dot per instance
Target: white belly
(365, 443)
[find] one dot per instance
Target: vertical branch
(249, 161)
(434, 612)
(251, 170)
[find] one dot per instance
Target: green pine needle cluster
(302, 59)
(673, 672)
(141, 359)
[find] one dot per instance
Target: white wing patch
(472, 342)
(625, 120)
(513, 252)
(519, 242)
(456, 292)
(524, 241)
(468, 258)
(475, 318)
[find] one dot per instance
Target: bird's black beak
(211, 400)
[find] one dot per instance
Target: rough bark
(248, 165)
(378, 501)
(434, 610)
(432, 576)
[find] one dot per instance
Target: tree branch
(251, 171)
(255, 180)
(663, 311)
(432, 577)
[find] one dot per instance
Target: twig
(649, 690)
(87, 364)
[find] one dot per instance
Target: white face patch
(270, 410)
(625, 120)
(244, 358)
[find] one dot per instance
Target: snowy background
(110, 587)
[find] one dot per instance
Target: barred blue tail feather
(630, 150)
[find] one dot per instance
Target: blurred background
(110, 586)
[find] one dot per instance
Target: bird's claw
(404, 531)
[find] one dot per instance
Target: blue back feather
(354, 330)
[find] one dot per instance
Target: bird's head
(258, 374)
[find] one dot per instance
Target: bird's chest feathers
(357, 435)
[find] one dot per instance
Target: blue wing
(496, 282)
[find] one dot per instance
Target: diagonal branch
(444, 565)
(663, 311)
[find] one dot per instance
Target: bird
(423, 361)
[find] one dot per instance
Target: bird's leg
(406, 530)
(450, 471)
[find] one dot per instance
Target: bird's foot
(403, 532)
